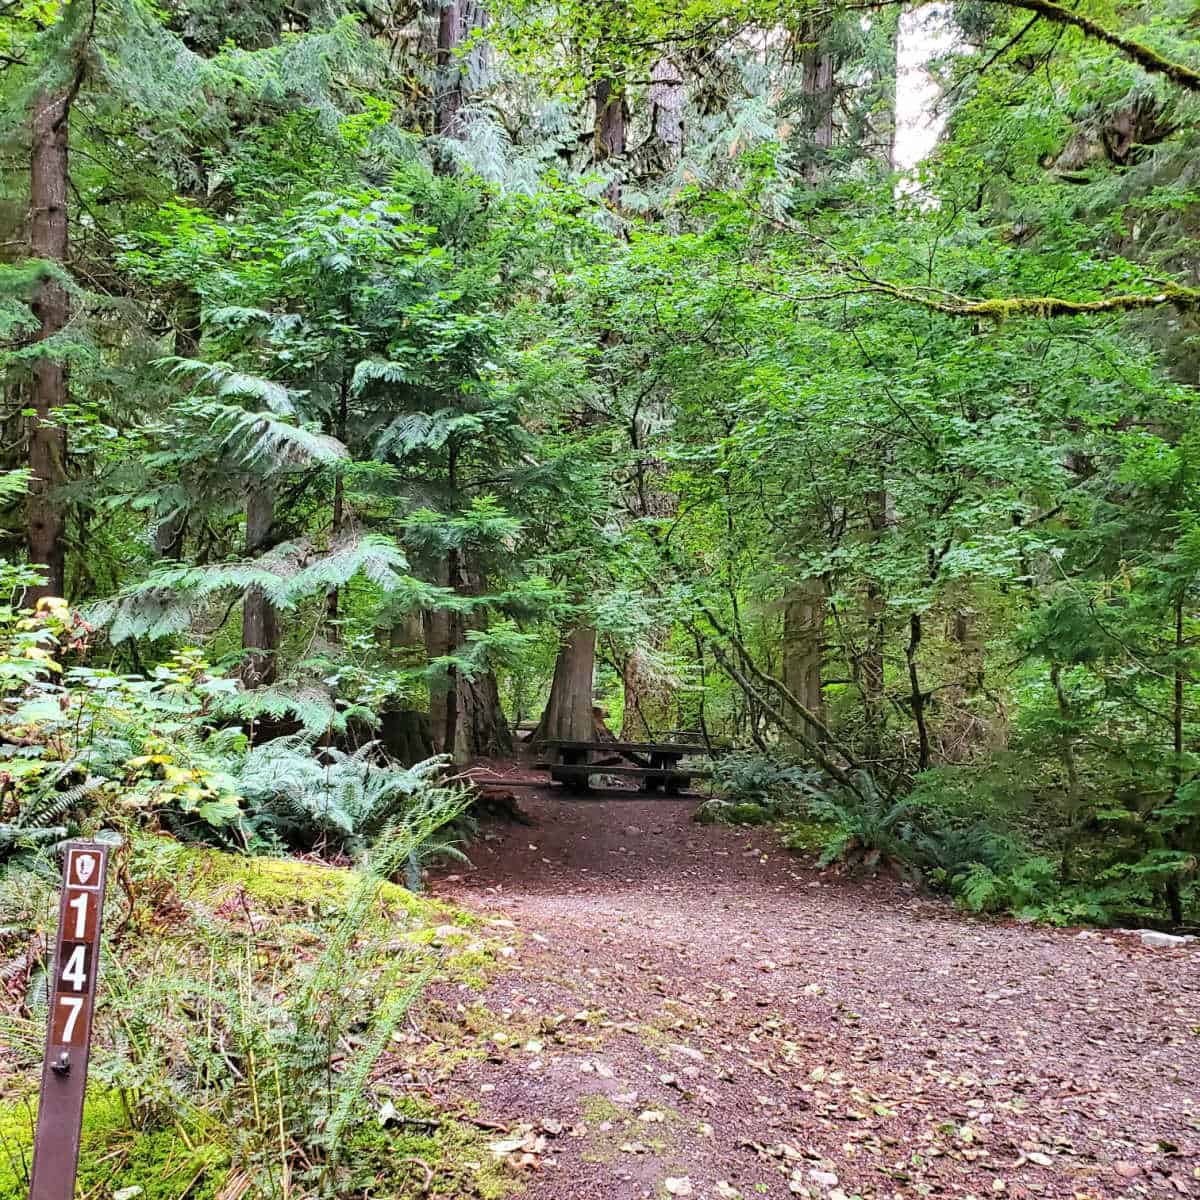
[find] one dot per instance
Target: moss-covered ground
(158, 1134)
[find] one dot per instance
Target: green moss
(166, 1163)
(809, 837)
(285, 884)
(456, 1153)
(723, 812)
(474, 967)
(604, 1145)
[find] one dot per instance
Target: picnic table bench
(655, 764)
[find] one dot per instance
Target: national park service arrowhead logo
(84, 867)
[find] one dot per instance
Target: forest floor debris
(715, 1018)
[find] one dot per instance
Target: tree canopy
(391, 354)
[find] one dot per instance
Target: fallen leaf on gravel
(1042, 1160)
(650, 1116)
(632, 1148)
(726, 1192)
(1127, 1170)
(505, 1146)
(679, 1187)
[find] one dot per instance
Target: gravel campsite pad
(697, 1012)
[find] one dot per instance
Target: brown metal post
(69, 1031)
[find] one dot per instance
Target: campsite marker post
(68, 1036)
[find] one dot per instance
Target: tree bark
(568, 713)
(480, 729)
(437, 645)
(457, 19)
(970, 649)
(260, 630)
(50, 121)
(917, 697)
(817, 94)
(609, 132)
(803, 636)
(666, 110)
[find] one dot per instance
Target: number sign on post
(72, 995)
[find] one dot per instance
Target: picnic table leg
(573, 757)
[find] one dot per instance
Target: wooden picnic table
(655, 764)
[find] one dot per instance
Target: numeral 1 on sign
(72, 996)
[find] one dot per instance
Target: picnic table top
(679, 748)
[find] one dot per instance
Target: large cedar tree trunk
(568, 715)
(480, 728)
(465, 715)
(437, 644)
(260, 630)
(51, 306)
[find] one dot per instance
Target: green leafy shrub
(85, 747)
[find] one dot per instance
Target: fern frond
(14, 484)
(256, 439)
(229, 383)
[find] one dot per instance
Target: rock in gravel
(825, 1179)
(680, 1187)
(1163, 941)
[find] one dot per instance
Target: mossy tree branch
(998, 308)
(1146, 57)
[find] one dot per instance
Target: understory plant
(85, 747)
(974, 834)
(253, 1002)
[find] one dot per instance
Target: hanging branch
(993, 308)
(775, 685)
(999, 308)
(1145, 57)
(819, 756)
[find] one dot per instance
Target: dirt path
(695, 1012)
